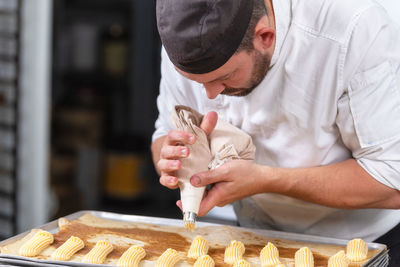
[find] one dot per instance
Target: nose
(213, 89)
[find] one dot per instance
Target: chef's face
(237, 77)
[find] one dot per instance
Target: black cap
(201, 35)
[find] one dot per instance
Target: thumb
(209, 122)
(209, 201)
(205, 178)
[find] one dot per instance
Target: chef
(316, 84)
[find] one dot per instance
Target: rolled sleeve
(384, 171)
(369, 111)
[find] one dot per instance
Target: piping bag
(226, 142)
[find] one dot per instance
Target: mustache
(236, 91)
(231, 90)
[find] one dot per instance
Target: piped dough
(304, 258)
(99, 253)
(204, 261)
(338, 260)
(132, 257)
(357, 250)
(242, 263)
(199, 247)
(234, 252)
(269, 255)
(34, 246)
(68, 249)
(168, 259)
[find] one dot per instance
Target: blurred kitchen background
(78, 87)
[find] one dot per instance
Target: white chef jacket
(332, 93)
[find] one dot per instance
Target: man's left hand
(232, 181)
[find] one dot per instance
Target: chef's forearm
(343, 185)
(156, 150)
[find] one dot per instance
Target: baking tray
(381, 259)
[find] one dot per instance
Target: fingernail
(183, 151)
(195, 180)
(171, 181)
(191, 139)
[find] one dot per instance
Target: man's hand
(173, 149)
(344, 185)
(232, 181)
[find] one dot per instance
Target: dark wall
(106, 56)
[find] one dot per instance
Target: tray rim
(52, 227)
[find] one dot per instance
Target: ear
(264, 38)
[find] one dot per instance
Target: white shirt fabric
(393, 9)
(332, 93)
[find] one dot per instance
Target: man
(317, 86)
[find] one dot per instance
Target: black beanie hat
(201, 35)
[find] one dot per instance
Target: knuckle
(180, 136)
(162, 180)
(175, 164)
(224, 170)
(172, 136)
(167, 165)
(166, 152)
(163, 152)
(160, 164)
(181, 151)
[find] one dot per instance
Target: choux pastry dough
(68, 249)
(204, 261)
(198, 248)
(357, 250)
(304, 258)
(34, 246)
(338, 260)
(269, 255)
(168, 259)
(99, 253)
(242, 263)
(132, 257)
(234, 252)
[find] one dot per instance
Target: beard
(260, 69)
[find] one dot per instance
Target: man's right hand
(174, 148)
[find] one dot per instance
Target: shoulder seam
(315, 33)
(348, 32)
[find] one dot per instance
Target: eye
(228, 77)
(231, 76)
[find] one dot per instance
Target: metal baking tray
(381, 259)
